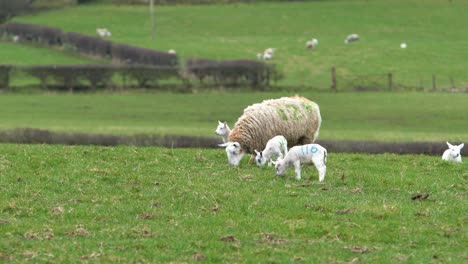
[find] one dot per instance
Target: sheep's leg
(319, 162)
(297, 169)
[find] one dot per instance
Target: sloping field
(435, 44)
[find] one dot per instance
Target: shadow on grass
(39, 136)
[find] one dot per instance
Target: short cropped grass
(436, 45)
(346, 116)
(66, 204)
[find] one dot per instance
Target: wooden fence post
(333, 79)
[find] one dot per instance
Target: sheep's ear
(256, 152)
(225, 124)
(219, 122)
(224, 144)
(461, 145)
(274, 162)
(449, 145)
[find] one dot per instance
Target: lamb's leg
(319, 162)
(297, 169)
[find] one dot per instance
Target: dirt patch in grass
(39, 136)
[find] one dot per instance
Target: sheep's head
(280, 166)
(260, 159)
(455, 150)
(234, 152)
(222, 128)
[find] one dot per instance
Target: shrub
(145, 75)
(135, 55)
(233, 73)
(35, 33)
(96, 75)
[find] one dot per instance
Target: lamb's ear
(220, 123)
(461, 145)
(449, 145)
(256, 151)
(224, 144)
(274, 162)
(225, 124)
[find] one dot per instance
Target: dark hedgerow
(233, 72)
(135, 55)
(97, 75)
(35, 33)
(5, 76)
(39, 72)
(145, 75)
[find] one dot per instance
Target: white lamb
(171, 51)
(453, 153)
(351, 38)
(312, 43)
(103, 32)
(277, 147)
(305, 154)
(223, 130)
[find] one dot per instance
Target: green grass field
(346, 116)
(435, 44)
(65, 204)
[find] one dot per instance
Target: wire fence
(398, 81)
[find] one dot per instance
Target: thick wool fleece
(296, 118)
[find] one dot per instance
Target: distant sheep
(277, 147)
(351, 38)
(171, 51)
(453, 153)
(223, 130)
(103, 32)
(306, 154)
(296, 118)
(311, 43)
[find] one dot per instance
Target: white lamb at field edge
(277, 147)
(223, 130)
(305, 154)
(453, 153)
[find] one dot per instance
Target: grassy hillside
(18, 54)
(365, 116)
(70, 204)
(436, 45)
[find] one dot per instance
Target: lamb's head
(234, 152)
(260, 159)
(222, 128)
(455, 149)
(281, 165)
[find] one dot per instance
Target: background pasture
(239, 31)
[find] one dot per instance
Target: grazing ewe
(351, 38)
(312, 43)
(453, 153)
(103, 32)
(296, 118)
(306, 154)
(223, 130)
(276, 147)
